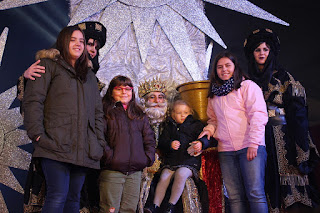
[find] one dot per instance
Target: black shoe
(170, 208)
(153, 209)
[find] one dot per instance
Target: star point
(8, 4)
(3, 40)
(11, 156)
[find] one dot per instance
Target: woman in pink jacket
(237, 118)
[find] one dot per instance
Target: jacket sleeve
(165, 140)
(307, 155)
(99, 119)
(256, 111)
(196, 129)
(149, 142)
(33, 101)
(212, 122)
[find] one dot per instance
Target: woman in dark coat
(291, 152)
(63, 117)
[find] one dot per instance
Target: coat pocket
(58, 135)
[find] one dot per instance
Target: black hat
(262, 35)
(94, 30)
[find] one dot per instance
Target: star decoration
(117, 15)
(3, 39)
(246, 7)
(11, 156)
(8, 4)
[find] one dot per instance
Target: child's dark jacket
(185, 133)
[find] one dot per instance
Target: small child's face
(180, 113)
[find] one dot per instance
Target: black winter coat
(185, 133)
(67, 115)
(131, 143)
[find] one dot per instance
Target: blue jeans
(64, 182)
(244, 180)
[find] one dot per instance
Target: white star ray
(10, 138)
(3, 205)
(8, 179)
(9, 123)
(86, 9)
(191, 11)
(6, 98)
(12, 155)
(173, 26)
(144, 20)
(246, 7)
(8, 4)
(3, 40)
(116, 18)
(145, 3)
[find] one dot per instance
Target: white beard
(156, 114)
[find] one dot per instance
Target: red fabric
(211, 175)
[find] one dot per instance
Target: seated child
(178, 139)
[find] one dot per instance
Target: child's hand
(252, 153)
(175, 145)
(197, 146)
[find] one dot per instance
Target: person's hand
(155, 166)
(252, 153)
(34, 70)
(203, 133)
(197, 146)
(175, 145)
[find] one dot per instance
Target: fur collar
(53, 54)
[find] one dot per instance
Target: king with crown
(155, 100)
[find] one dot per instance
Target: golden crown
(154, 85)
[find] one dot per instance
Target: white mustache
(156, 104)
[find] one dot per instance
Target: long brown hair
(133, 110)
(238, 75)
(62, 44)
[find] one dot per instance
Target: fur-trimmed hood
(53, 54)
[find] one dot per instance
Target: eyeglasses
(122, 89)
